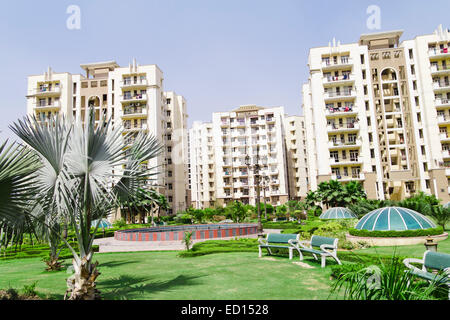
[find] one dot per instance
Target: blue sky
(219, 54)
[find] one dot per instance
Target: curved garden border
(396, 241)
(173, 233)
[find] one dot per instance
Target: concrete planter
(397, 241)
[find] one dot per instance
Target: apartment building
(130, 96)
(296, 157)
(202, 165)
(376, 112)
(223, 154)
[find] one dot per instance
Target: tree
(354, 192)
(163, 204)
(236, 211)
(86, 169)
(441, 215)
(281, 211)
(17, 189)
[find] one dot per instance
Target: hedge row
(396, 234)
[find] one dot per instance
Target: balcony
(441, 86)
(441, 119)
(339, 95)
(134, 83)
(343, 144)
(131, 128)
(339, 111)
(135, 98)
(343, 127)
(134, 112)
(42, 107)
(352, 177)
(442, 102)
(350, 160)
(439, 70)
(445, 154)
(439, 53)
(338, 64)
(46, 91)
(338, 80)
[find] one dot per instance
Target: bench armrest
(262, 241)
(407, 263)
(324, 247)
(304, 244)
(293, 242)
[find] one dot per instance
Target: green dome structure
(338, 213)
(394, 218)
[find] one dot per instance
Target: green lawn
(222, 276)
(163, 275)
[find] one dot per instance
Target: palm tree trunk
(81, 285)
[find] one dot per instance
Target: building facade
(376, 112)
(133, 97)
(223, 154)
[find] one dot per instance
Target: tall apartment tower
(202, 165)
(373, 112)
(130, 96)
(218, 151)
(296, 157)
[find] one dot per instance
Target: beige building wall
(132, 97)
(296, 156)
(396, 94)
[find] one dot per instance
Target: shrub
(396, 234)
(30, 290)
(382, 282)
(119, 223)
(337, 271)
(218, 218)
(187, 240)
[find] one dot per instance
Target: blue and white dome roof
(394, 218)
(338, 213)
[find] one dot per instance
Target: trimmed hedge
(397, 234)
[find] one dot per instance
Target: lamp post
(256, 168)
(265, 183)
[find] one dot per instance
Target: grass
(164, 275)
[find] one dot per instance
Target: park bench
(278, 241)
(318, 246)
(431, 261)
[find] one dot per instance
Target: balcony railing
(334, 160)
(437, 52)
(350, 125)
(332, 144)
(343, 61)
(338, 94)
(54, 104)
(442, 101)
(135, 110)
(334, 79)
(441, 84)
(46, 90)
(137, 97)
(342, 109)
(435, 68)
(132, 82)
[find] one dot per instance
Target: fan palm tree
(17, 163)
(86, 170)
